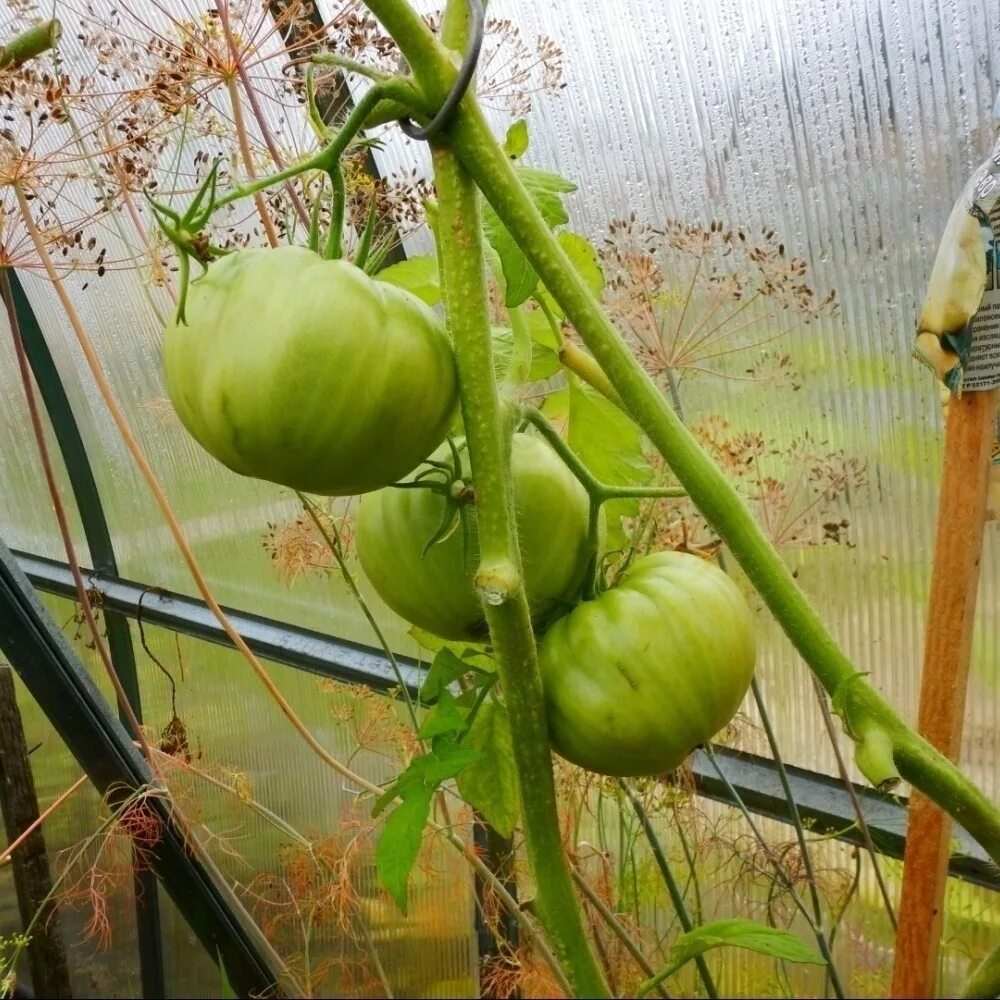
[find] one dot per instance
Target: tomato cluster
(308, 373)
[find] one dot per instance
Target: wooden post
(32, 879)
(948, 645)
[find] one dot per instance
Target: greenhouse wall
(761, 189)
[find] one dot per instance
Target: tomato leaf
(546, 191)
(607, 442)
(489, 784)
(747, 934)
(445, 718)
(434, 643)
(516, 143)
(447, 668)
(418, 275)
(544, 360)
(539, 327)
(399, 840)
(399, 843)
(584, 259)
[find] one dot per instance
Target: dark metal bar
(825, 808)
(314, 652)
(95, 528)
(36, 648)
(821, 799)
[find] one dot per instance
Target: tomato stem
(397, 89)
(583, 364)
(598, 492)
(335, 235)
(29, 44)
(711, 490)
(489, 425)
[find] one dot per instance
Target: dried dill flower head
(694, 298)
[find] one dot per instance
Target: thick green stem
(488, 429)
(338, 206)
(37, 39)
(520, 357)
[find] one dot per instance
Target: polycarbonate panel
(27, 514)
(122, 311)
(294, 838)
(90, 863)
(849, 129)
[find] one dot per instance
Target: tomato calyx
(446, 479)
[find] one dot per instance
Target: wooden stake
(948, 645)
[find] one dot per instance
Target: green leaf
(445, 670)
(544, 361)
(445, 760)
(434, 643)
(519, 277)
(399, 843)
(539, 327)
(516, 143)
(585, 261)
(490, 783)
(608, 443)
(445, 718)
(399, 840)
(546, 191)
(747, 934)
(418, 275)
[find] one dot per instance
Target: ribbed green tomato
(308, 373)
(638, 677)
(434, 591)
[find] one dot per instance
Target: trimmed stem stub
(873, 753)
(30, 43)
(497, 583)
(874, 750)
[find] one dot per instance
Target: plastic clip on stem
(477, 19)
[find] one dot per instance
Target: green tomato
(306, 372)
(435, 591)
(638, 677)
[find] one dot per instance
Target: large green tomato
(638, 677)
(434, 591)
(308, 373)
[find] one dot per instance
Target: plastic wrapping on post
(958, 332)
